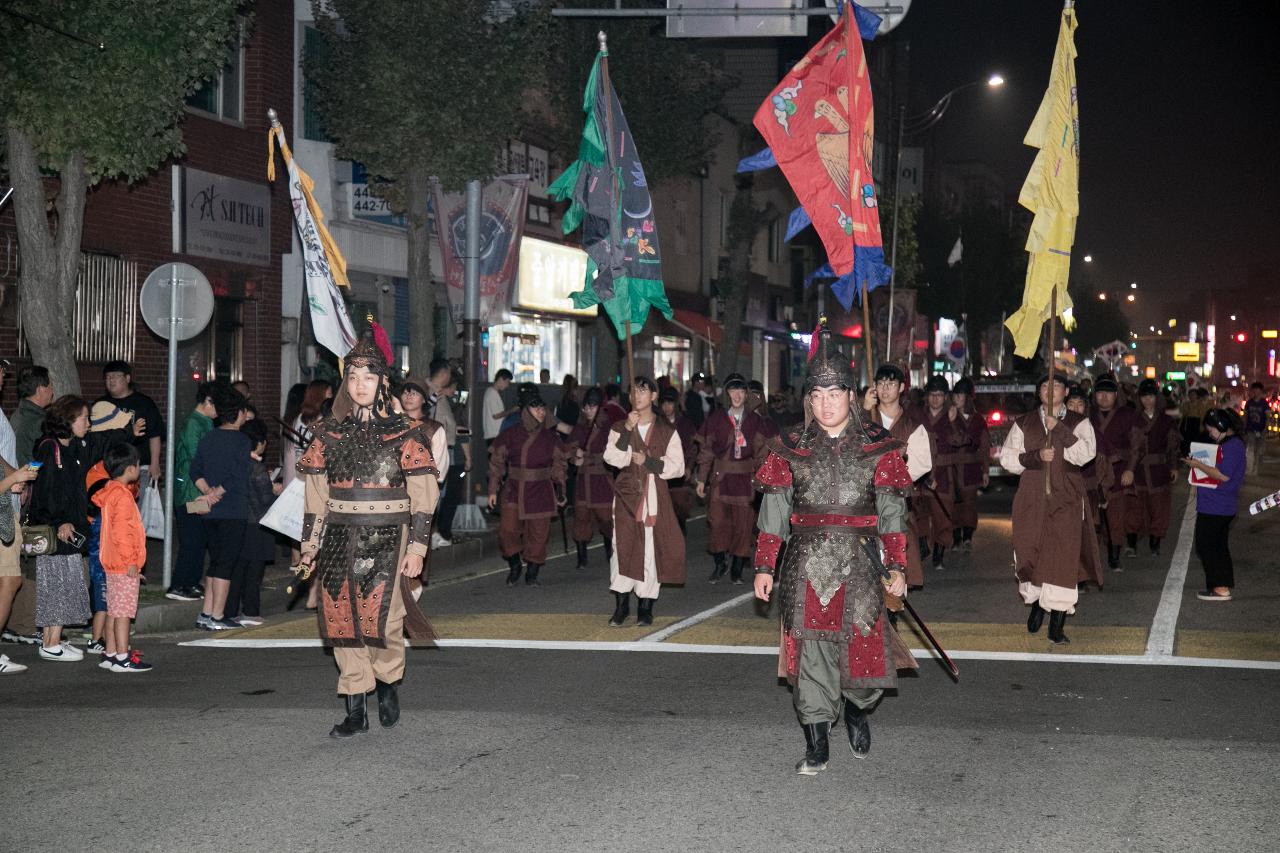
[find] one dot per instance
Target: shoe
(197, 590)
(224, 624)
(644, 611)
(132, 663)
(855, 722)
(64, 651)
(531, 574)
(721, 566)
(1113, 558)
(1131, 545)
(97, 647)
(250, 621)
(816, 750)
(107, 661)
(1210, 595)
(1036, 619)
(356, 721)
(32, 639)
(177, 594)
(736, 569)
(937, 558)
(1154, 542)
(388, 704)
(621, 608)
(1057, 619)
(438, 541)
(608, 549)
(582, 554)
(8, 667)
(517, 566)
(204, 622)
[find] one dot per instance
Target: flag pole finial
(604, 42)
(273, 117)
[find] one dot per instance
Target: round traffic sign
(195, 300)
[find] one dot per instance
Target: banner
(502, 213)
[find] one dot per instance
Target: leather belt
(528, 475)
(368, 507)
(735, 466)
(799, 519)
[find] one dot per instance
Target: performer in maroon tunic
(533, 460)
(972, 460)
(1155, 445)
(593, 491)
(836, 491)
(937, 514)
(758, 404)
(1090, 569)
(1113, 424)
(681, 490)
(731, 445)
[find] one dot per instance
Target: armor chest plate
(365, 458)
(835, 473)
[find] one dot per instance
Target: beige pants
(359, 666)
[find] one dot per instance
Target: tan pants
(527, 538)
(359, 666)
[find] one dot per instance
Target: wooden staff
(851, 33)
(1048, 406)
(614, 190)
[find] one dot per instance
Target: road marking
(1165, 624)
(659, 636)
(681, 648)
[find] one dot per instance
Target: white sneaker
(64, 651)
(8, 667)
(249, 621)
(438, 541)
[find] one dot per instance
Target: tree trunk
(422, 294)
(50, 259)
(744, 222)
(608, 359)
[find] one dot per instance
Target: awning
(698, 326)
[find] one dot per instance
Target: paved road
(641, 747)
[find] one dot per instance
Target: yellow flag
(1052, 192)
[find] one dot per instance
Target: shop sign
(365, 205)
(225, 218)
(549, 272)
(1186, 350)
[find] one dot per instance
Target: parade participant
(730, 447)
(698, 403)
(529, 453)
(1050, 524)
(835, 491)
(972, 460)
(1155, 450)
(1113, 425)
(938, 497)
(884, 406)
(1216, 508)
(681, 490)
(1078, 402)
(371, 492)
(648, 545)
(756, 403)
(593, 489)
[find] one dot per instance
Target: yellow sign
(549, 272)
(1270, 333)
(1186, 350)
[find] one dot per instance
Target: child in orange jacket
(123, 554)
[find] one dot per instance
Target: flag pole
(1053, 333)
(614, 190)
(851, 32)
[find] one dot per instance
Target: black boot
(644, 611)
(531, 574)
(855, 722)
(388, 704)
(1036, 619)
(620, 609)
(1113, 558)
(608, 549)
(517, 566)
(582, 555)
(722, 566)
(356, 722)
(1131, 549)
(1154, 542)
(684, 526)
(937, 558)
(1057, 619)
(816, 749)
(735, 571)
(966, 540)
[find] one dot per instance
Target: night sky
(1179, 107)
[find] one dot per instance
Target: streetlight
(1132, 298)
(1088, 259)
(1133, 285)
(918, 124)
(1102, 296)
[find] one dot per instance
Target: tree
(79, 114)
(745, 222)
(420, 88)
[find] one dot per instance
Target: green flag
(610, 200)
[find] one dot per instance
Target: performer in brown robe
(731, 444)
(1114, 424)
(758, 404)
(973, 459)
(371, 491)
(1050, 531)
(835, 490)
(937, 515)
(533, 459)
(593, 491)
(1156, 446)
(680, 487)
(648, 545)
(1078, 402)
(885, 406)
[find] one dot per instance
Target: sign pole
(469, 516)
(170, 413)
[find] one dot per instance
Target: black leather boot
(966, 540)
(1154, 542)
(644, 611)
(722, 566)
(855, 722)
(1113, 558)
(531, 574)
(582, 555)
(388, 704)
(736, 570)
(956, 536)
(621, 609)
(1036, 619)
(1057, 619)
(357, 721)
(816, 749)
(1131, 545)
(937, 557)
(608, 549)
(517, 566)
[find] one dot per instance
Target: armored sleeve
(424, 495)
(773, 478)
(892, 485)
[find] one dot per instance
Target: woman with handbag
(59, 501)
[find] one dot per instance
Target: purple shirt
(1224, 500)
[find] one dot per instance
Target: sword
(564, 531)
(946, 659)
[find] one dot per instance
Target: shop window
(222, 96)
(225, 355)
(528, 344)
(106, 288)
(671, 358)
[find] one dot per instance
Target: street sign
(1186, 350)
(1175, 376)
(1270, 333)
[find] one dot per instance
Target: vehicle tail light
(995, 418)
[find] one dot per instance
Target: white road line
(1165, 624)
(682, 648)
(659, 636)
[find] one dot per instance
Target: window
(315, 51)
(106, 289)
(223, 95)
(724, 219)
(775, 239)
(226, 340)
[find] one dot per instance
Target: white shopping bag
(285, 515)
(152, 509)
